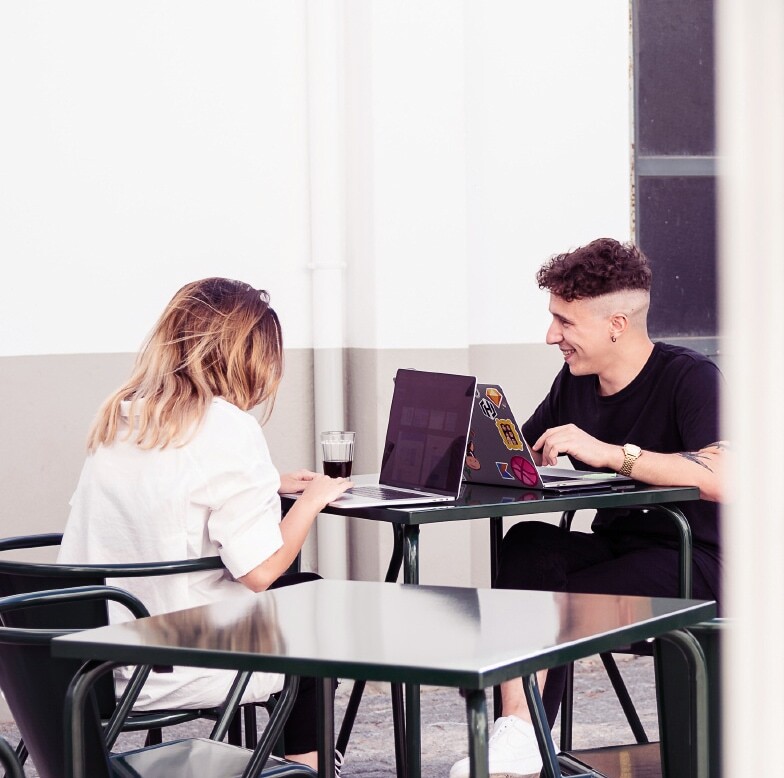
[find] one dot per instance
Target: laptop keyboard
(382, 492)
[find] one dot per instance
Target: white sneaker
(513, 750)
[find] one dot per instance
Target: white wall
(144, 145)
(548, 149)
(483, 137)
(147, 144)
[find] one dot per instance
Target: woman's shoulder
(224, 410)
(225, 424)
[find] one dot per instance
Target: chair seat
(165, 718)
(629, 761)
(196, 758)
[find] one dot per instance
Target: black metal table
(494, 503)
(455, 637)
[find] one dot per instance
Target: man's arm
(703, 468)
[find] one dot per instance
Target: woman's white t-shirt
(217, 494)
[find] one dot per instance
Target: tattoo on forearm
(722, 445)
(697, 458)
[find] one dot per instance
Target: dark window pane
(674, 80)
(677, 230)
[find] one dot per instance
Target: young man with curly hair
(621, 402)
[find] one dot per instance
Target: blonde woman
(178, 469)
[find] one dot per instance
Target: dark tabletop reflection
(483, 494)
(244, 624)
(581, 614)
(374, 630)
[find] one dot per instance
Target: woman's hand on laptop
(296, 481)
(322, 489)
(570, 439)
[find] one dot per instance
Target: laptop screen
(428, 431)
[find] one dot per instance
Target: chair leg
(349, 717)
(614, 674)
(251, 734)
(154, 737)
(21, 752)
(567, 709)
(234, 734)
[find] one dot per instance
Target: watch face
(632, 450)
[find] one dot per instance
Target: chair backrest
(22, 577)
(35, 683)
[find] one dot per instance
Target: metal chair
(684, 535)
(37, 687)
(21, 577)
(9, 761)
(683, 729)
(688, 693)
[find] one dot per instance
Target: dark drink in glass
(336, 469)
(337, 453)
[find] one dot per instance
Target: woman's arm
(294, 528)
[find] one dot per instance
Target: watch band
(630, 455)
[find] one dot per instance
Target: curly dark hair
(602, 267)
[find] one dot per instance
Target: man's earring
(613, 338)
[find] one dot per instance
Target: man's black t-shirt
(671, 406)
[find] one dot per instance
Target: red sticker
(524, 471)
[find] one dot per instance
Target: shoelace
(338, 763)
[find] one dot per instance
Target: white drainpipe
(326, 139)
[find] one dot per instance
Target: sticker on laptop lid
(488, 409)
(503, 471)
(494, 396)
(509, 434)
(524, 471)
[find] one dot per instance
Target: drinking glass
(337, 453)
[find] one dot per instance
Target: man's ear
(619, 323)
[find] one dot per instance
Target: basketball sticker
(524, 471)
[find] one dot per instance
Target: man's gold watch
(631, 454)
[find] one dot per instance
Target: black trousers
(536, 555)
(300, 734)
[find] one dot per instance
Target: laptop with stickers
(498, 454)
(425, 444)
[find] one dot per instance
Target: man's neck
(625, 367)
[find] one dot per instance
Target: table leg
(496, 536)
(684, 547)
(398, 713)
(399, 724)
(699, 737)
(411, 554)
(476, 714)
(76, 699)
(326, 728)
(413, 715)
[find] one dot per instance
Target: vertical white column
(750, 38)
(326, 148)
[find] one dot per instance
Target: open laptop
(425, 443)
(498, 454)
